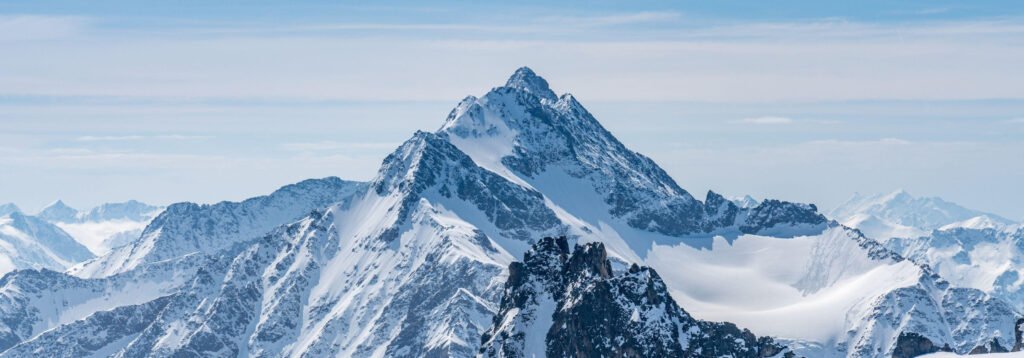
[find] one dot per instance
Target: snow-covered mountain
(132, 210)
(969, 248)
(899, 214)
(186, 228)
(982, 257)
(571, 303)
(104, 227)
(415, 262)
(8, 208)
(58, 212)
(746, 202)
(28, 242)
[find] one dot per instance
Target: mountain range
(104, 227)
(27, 242)
(521, 227)
(969, 248)
(900, 214)
(59, 237)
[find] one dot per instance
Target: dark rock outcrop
(910, 345)
(582, 308)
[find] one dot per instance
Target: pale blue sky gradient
(807, 101)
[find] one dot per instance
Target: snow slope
(28, 242)
(968, 248)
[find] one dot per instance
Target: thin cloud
(933, 11)
(125, 138)
(612, 20)
(372, 27)
(882, 141)
(768, 120)
(182, 137)
(751, 62)
(120, 138)
(1015, 120)
(40, 27)
(548, 24)
(332, 145)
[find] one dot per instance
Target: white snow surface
(807, 288)
(27, 242)
(102, 236)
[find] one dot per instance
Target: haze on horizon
(798, 101)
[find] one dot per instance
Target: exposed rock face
(1018, 336)
(910, 345)
(566, 303)
(429, 164)
(774, 212)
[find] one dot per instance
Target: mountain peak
(8, 208)
(745, 202)
(898, 194)
(131, 210)
(900, 208)
(525, 79)
(58, 211)
(57, 204)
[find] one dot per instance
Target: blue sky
(809, 101)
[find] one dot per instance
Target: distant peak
(58, 211)
(898, 194)
(57, 204)
(525, 79)
(9, 208)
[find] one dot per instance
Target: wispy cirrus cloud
(767, 120)
(830, 59)
(123, 138)
(40, 27)
(874, 142)
(542, 25)
(333, 145)
(614, 19)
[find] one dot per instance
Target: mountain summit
(58, 212)
(900, 214)
(525, 79)
(526, 134)
(9, 208)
